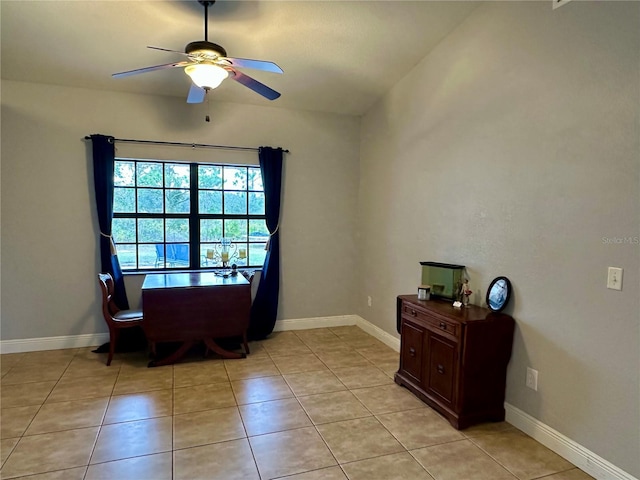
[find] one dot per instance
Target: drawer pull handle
(412, 352)
(441, 369)
(413, 312)
(443, 325)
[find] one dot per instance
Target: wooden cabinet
(455, 359)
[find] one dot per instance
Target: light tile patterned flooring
(305, 405)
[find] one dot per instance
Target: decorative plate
(498, 293)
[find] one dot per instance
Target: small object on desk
(424, 292)
(457, 304)
(465, 292)
(445, 279)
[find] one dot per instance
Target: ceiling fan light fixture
(206, 75)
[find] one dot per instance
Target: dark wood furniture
(116, 319)
(455, 359)
(192, 307)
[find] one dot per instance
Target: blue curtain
(103, 167)
(265, 305)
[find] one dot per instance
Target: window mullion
(194, 220)
(130, 177)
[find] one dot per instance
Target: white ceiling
(338, 56)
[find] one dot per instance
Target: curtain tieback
(271, 234)
(112, 245)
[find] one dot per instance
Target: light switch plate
(614, 278)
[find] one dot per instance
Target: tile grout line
(95, 442)
(244, 426)
(296, 396)
(366, 408)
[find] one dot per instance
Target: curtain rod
(183, 144)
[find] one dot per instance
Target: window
(174, 215)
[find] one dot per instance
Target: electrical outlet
(614, 278)
(369, 301)
(532, 379)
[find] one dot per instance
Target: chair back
(115, 317)
(109, 308)
(254, 281)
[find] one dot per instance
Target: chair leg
(113, 339)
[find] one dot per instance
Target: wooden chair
(115, 318)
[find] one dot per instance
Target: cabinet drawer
(433, 322)
(411, 351)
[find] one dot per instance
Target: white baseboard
(89, 340)
(315, 322)
(53, 343)
(575, 453)
(94, 339)
(339, 321)
(375, 331)
(572, 451)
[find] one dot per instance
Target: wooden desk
(192, 307)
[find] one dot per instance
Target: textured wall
(513, 149)
(49, 225)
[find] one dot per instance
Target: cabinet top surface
(188, 280)
(469, 313)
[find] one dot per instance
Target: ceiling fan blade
(255, 64)
(150, 69)
(196, 94)
(166, 50)
(254, 85)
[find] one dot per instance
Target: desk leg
(246, 344)
(174, 357)
(211, 344)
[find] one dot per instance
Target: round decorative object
(498, 293)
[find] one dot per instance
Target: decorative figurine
(465, 291)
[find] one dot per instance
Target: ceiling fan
(208, 66)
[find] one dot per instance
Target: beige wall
(49, 226)
(513, 149)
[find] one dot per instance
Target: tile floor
(305, 405)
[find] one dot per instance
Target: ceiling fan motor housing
(205, 48)
(209, 65)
